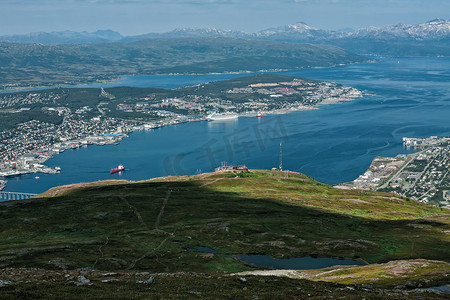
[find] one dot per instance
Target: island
(37, 124)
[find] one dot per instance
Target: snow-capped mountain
(189, 32)
(299, 27)
(297, 31)
(197, 32)
(430, 38)
(435, 29)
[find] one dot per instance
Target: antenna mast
(281, 157)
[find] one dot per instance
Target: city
(60, 123)
(422, 176)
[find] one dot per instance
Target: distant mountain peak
(301, 26)
(201, 30)
(346, 30)
(299, 31)
(65, 37)
(437, 21)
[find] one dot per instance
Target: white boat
(2, 184)
(223, 116)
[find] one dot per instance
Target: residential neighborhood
(423, 175)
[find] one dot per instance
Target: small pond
(297, 263)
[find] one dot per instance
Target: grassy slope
(390, 274)
(394, 274)
(115, 226)
(150, 225)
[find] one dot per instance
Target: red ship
(120, 168)
(260, 115)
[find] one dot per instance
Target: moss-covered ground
(153, 225)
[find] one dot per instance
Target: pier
(4, 196)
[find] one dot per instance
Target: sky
(132, 17)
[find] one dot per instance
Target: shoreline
(116, 138)
(403, 173)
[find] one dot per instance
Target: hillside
(47, 65)
(155, 226)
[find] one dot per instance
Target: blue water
(164, 81)
(333, 144)
(297, 263)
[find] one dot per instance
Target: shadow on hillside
(162, 220)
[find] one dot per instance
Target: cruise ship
(223, 116)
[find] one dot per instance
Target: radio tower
(281, 157)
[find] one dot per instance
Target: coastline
(18, 89)
(401, 174)
(115, 138)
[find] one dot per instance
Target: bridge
(15, 196)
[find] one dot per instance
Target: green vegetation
(122, 102)
(121, 285)
(10, 120)
(48, 65)
(153, 226)
(385, 275)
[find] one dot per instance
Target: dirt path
(158, 219)
(217, 179)
(133, 263)
(211, 182)
(136, 212)
(100, 250)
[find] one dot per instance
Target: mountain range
(425, 39)
(64, 37)
(437, 29)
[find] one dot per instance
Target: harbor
(332, 143)
(31, 162)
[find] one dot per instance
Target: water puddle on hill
(296, 263)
